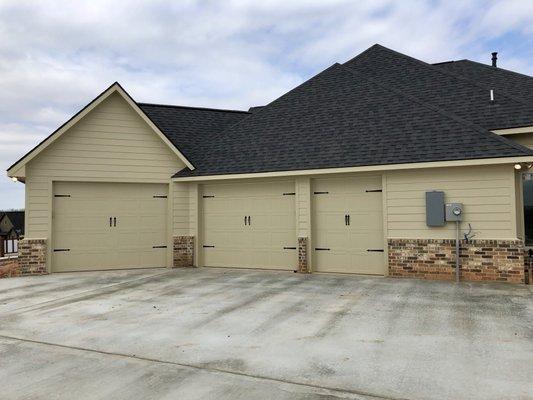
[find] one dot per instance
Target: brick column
(183, 251)
(32, 257)
(303, 265)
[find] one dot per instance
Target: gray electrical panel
(435, 208)
(454, 212)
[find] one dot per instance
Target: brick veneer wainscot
(303, 265)
(32, 257)
(183, 251)
(481, 260)
(9, 267)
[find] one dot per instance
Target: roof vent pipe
(492, 95)
(494, 58)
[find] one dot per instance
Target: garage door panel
(360, 198)
(258, 244)
(81, 224)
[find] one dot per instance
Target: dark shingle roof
(341, 118)
(189, 128)
(497, 78)
(435, 85)
(16, 218)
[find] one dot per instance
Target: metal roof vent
(494, 58)
(492, 100)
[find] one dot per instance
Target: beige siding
(112, 143)
(180, 208)
(525, 139)
(488, 195)
(303, 206)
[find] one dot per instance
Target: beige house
(331, 177)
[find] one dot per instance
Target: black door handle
(245, 220)
(115, 221)
(348, 219)
(110, 221)
(345, 219)
(249, 220)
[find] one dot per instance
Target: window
(528, 209)
(10, 246)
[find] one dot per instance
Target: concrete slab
(346, 334)
(24, 292)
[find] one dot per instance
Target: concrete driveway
(238, 334)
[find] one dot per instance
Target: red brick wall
(481, 260)
(32, 257)
(9, 267)
(183, 251)
(303, 265)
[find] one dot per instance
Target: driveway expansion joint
(366, 395)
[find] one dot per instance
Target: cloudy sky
(56, 56)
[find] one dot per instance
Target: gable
(18, 170)
(113, 142)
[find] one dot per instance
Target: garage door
(249, 225)
(348, 225)
(99, 226)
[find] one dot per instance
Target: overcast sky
(56, 56)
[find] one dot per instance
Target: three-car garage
(249, 224)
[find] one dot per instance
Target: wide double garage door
(98, 226)
(253, 225)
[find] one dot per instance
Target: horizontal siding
(111, 143)
(487, 194)
(525, 139)
(303, 206)
(180, 205)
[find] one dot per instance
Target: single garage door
(249, 225)
(99, 226)
(348, 225)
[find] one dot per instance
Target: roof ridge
(262, 109)
(438, 110)
(445, 72)
(193, 108)
(495, 68)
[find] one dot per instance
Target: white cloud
(55, 56)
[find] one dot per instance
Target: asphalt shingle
(342, 118)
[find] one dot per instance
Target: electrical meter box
(454, 212)
(435, 208)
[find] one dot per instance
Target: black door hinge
(376, 250)
(320, 192)
(208, 197)
(159, 247)
(374, 191)
(322, 249)
(61, 195)
(58, 250)
(157, 196)
(289, 194)
(289, 248)
(205, 246)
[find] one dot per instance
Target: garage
(348, 225)
(98, 226)
(249, 225)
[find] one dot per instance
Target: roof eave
(369, 168)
